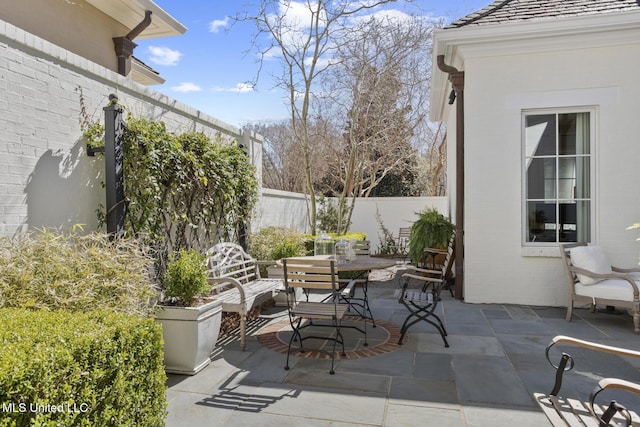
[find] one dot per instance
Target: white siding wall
(46, 178)
(497, 89)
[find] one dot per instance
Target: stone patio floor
(486, 377)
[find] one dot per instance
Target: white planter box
(190, 335)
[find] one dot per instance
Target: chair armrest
(614, 407)
(615, 383)
(625, 270)
(426, 275)
(435, 251)
(562, 339)
(346, 291)
(585, 272)
(220, 281)
(423, 278)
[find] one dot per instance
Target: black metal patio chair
(422, 302)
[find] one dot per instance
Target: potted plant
(431, 230)
(190, 318)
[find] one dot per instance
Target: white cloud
(239, 88)
(218, 24)
(164, 55)
(186, 87)
(242, 88)
(296, 19)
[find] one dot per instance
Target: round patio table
(360, 263)
(366, 263)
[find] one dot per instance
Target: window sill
(541, 251)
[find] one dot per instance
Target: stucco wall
(395, 212)
(280, 209)
(285, 209)
(497, 89)
(46, 178)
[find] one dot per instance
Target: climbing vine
(182, 191)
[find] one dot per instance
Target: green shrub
(59, 368)
(55, 270)
(183, 189)
(273, 243)
(187, 277)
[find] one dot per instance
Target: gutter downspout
(457, 81)
(124, 45)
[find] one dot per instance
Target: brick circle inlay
(271, 336)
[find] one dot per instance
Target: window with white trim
(557, 176)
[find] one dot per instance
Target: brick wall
(46, 178)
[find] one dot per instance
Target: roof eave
(131, 12)
(143, 74)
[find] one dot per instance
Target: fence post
(114, 162)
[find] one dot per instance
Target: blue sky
(208, 67)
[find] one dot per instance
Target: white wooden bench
(236, 281)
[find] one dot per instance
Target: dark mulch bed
(231, 321)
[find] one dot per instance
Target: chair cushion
(590, 258)
(614, 289)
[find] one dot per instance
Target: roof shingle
(501, 11)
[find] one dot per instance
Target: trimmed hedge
(100, 368)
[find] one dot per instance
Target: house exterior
(541, 99)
